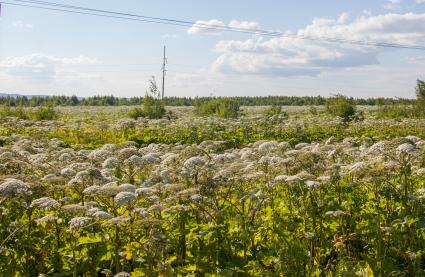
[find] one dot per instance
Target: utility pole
(163, 74)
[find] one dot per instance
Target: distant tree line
(35, 101)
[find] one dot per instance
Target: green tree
(341, 106)
(420, 97)
(153, 105)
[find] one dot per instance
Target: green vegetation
(335, 190)
(341, 106)
(38, 114)
(153, 105)
(275, 110)
(223, 107)
(420, 96)
(186, 101)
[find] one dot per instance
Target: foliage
(44, 113)
(153, 106)
(268, 209)
(341, 106)
(18, 112)
(110, 100)
(397, 112)
(420, 96)
(38, 114)
(224, 107)
(136, 113)
(275, 110)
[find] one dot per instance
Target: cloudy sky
(49, 52)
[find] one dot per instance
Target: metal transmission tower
(164, 70)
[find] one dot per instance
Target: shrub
(396, 111)
(136, 113)
(18, 112)
(44, 113)
(153, 108)
(225, 108)
(341, 106)
(275, 110)
(153, 105)
(420, 98)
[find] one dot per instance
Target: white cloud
(288, 56)
(249, 25)
(392, 4)
(208, 27)
(215, 27)
(41, 67)
(420, 1)
(22, 25)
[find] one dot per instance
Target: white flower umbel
(79, 222)
(14, 186)
(46, 203)
(124, 198)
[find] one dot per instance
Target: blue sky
(47, 52)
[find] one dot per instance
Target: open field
(297, 194)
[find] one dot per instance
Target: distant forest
(35, 101)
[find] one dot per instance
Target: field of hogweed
(95, 194)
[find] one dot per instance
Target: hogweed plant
(351, 207)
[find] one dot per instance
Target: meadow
(300, 192)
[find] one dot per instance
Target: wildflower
(14, 186)
(293, 179)
(301, 145)
(331, 140)
(45, 203)
(91, 190)
(151, 158)
(93, 210)
(126, 153)
(119, 220)
(124, 198)
(267, 147)
(143, 212)
(73, 209)
(108, 190)
(406, 148)
(357, 168)
(312, 184)
(47, 218)
(280, 178)
(102, 215)
(127, 187)
(6, 155)
(111, 162)
(196, 198)
(79, 222)
(194, 162)
(65, 157)
(134, 161)
(145, 191)
(99, 154)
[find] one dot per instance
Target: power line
(167, 21)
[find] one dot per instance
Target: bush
(153, 108)
(18, 112)
(153, 105)
(275, 110)
(420, 98)
(224, 107)
(341, 106)
(44, 113)
(396, 111)
(136, 113)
